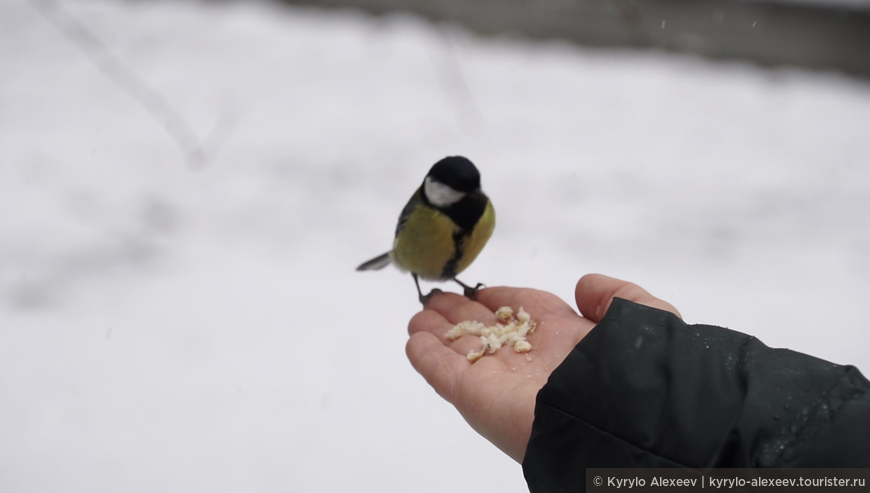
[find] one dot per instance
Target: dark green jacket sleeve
(644, 389)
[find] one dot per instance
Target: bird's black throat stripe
(449, 271)
(465, 213)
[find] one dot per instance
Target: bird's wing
(406, 212)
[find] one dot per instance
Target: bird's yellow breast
(427, 243)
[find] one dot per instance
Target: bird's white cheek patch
(439, 194)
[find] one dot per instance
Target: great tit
(442, 228)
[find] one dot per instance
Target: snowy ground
(175, 330)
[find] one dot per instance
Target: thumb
(594, 292)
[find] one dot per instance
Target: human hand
(496, 394)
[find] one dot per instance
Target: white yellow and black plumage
(443, 227)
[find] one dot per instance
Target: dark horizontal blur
(821, 35)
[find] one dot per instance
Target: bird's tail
(376, 263)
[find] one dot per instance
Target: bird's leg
(424, 299)
(469, 292)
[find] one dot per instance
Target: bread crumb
(475, 355)
(469, 326)
(510, 332)
(504, 314)
(491, 343)
(523, 316)
(522, 347)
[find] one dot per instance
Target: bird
(443, 227)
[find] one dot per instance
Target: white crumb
(468, 326)
(474, 355)
(523, 316)
(504, 314)
(508, 332)
(491, 343)
(522, 347)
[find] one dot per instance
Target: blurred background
(186, 188)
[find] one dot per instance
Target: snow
(167, 329)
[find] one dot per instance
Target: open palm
(496, 394)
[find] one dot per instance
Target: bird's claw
(425, 299)
(471, 293)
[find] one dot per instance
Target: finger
(594, 293)
(434, 323)
(456, 308)
(438, 364)
(427, 321)
(541, 305)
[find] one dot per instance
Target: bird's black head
(457, 173)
